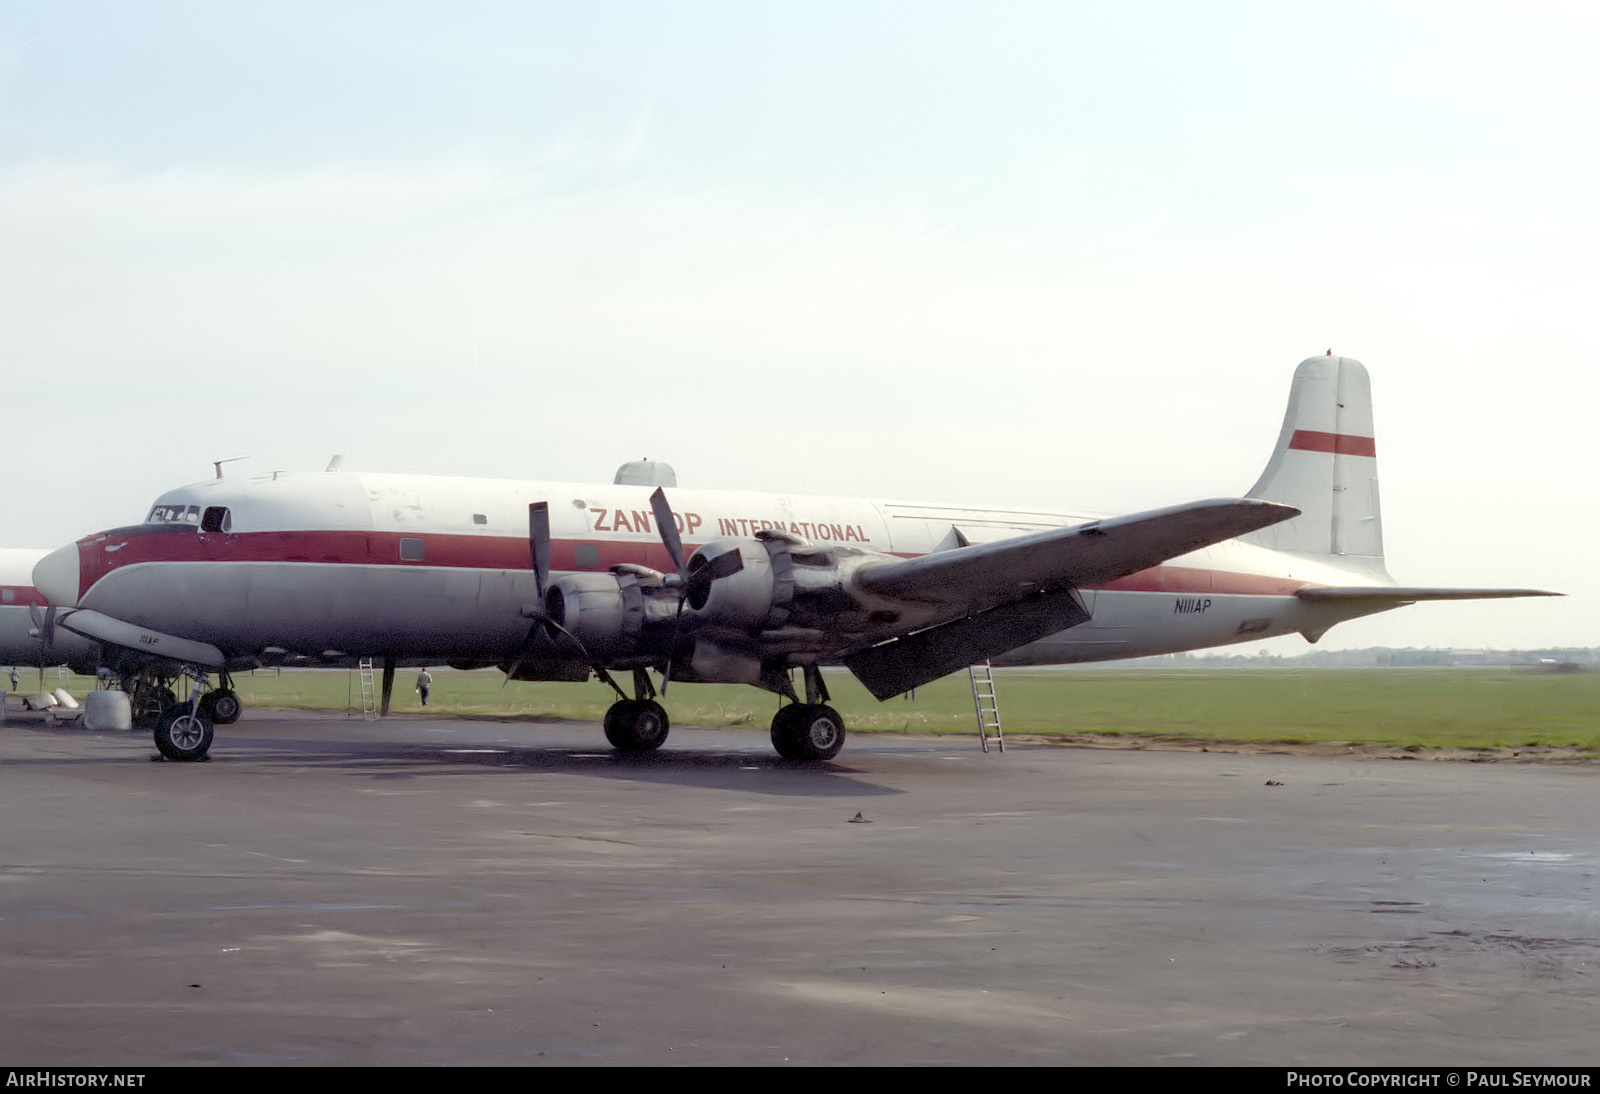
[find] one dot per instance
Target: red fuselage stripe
(1341, 444)
(479, 552)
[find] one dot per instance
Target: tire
(223, 705)
(148, 704)
(785, 735)
(636, 725)
(808, 732)
(183, 737)
(618, 717)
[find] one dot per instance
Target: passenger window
(411, 550)
(216, 519)
(588, 556)
(9, 595)
(479, 518)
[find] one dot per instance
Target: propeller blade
(704, 570)
(48, 630)
(594, 666)
(539, 544)
(668, 527)
(672, 647)
(726, 564)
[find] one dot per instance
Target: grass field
(1460, 707)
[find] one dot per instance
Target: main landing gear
(636, 725)
(639, 724)
(810, 731)
(807, 731)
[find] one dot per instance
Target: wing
(981, 577)
(1002, 595)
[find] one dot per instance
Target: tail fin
(1326, 466)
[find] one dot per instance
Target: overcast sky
(1057, 254)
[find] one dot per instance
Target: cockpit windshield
(174, 514)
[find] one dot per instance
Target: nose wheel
(183, 733)
(223, 705)
(807, 731)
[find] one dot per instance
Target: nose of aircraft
(56, 576)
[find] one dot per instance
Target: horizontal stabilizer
(1397, 594)
(984, 576)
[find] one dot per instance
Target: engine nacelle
(613, 615)
(741, 584)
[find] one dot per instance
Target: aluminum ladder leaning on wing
(987, 706)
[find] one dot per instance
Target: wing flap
(894, 667)
(977, 578)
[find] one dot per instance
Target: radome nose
(56, 576)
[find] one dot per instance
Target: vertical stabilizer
(1325, 465)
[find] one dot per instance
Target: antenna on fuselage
(335, 463)
(232, 459)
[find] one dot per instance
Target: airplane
(22, 609)
(568, 581)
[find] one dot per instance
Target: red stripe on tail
(1342, 444)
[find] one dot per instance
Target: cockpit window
(216, 519)
(174, 514)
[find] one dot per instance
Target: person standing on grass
(13, 678)
(424, 682)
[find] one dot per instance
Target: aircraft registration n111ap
(561, 581)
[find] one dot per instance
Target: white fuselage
(438, 569)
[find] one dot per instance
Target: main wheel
(223, 705)
(182, 736)
(636, 725)
(807, 731)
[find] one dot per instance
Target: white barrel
(107, 710)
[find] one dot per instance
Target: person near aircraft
(229, 574)
(424, 682)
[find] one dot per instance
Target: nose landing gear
(183, 733)
(183, 729)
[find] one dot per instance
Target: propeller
(694, 577)
(539, 545)
(44, 622)
(539, 554)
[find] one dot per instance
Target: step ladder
(369, 691)
(987, 706)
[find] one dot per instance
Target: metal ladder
(369, 691)
(987, 706)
